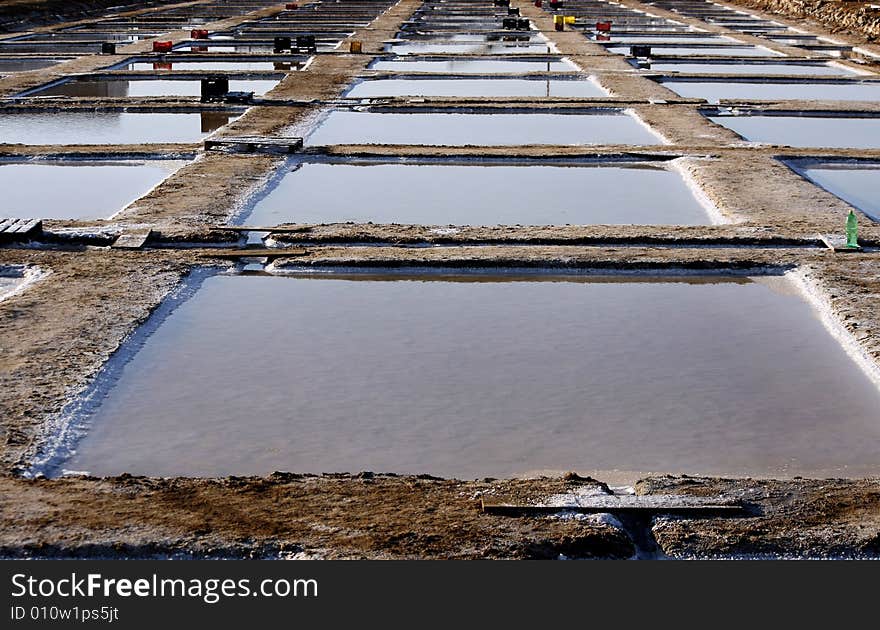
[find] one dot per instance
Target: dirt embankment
(381, 516)
(856, 18)
(17, 15)
(294, 516)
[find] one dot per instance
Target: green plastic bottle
(852, 230)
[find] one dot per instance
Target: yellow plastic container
(568, 19)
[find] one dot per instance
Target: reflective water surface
(228, 66)
(68, 127)
(77, 190)
(476, 88)
(117, 88)
(751, 68)
(857, 184)
(473, 66)
(346, 127)
(24, 64)
(433, 194)
(707, 51)
(714, 91)
(475, 375)
(806, 131)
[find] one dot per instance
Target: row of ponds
(404, 74)
(466, 373)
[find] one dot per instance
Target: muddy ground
(59, 332)
(397, 517)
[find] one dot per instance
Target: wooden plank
(617, 505)
(250, 143)
(255, 253)
(25, 226)
(279, 230)
(135, 239)
(267, 141)
(16, 228)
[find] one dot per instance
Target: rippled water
(474, 375)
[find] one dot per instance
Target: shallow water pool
(857, 184)
(715, 91)
(441, 194)
(352, 127)
(473, 66)
(120, 88)
(484, 375)
(582, 88)
(109, 127)
(77, 189)
(806, 131)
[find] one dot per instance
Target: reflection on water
(486, 376)
(118, 88)
(76, 190)
(211, 66)
(856, 184)
(806, 131)
(707, 51)
(473, 66)
(714, 91)
(476, 88)
(67, 127)
(750, 68)
(469, 49)
(24, 64)
(478, 195)
(347, 127)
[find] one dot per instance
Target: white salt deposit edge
(820, 301)
(682, 166)
(61, 434)
(29, 276)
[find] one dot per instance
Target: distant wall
(837, 16)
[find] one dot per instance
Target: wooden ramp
(249, 144)
(134, 239)
(19, 229)
(624, 504)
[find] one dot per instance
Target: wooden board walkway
(622, 504)
(19, 229)
(249, 144)
(255, 253)
(279, 230)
